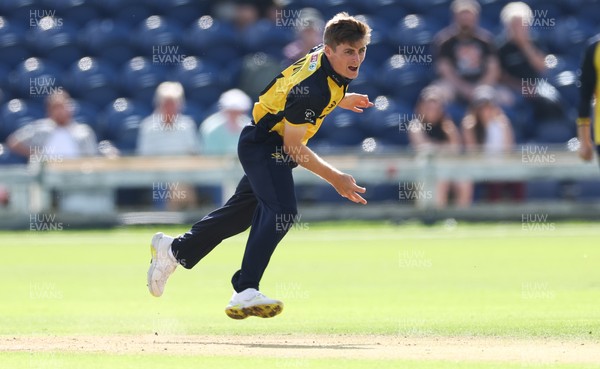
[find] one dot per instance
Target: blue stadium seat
(390, 10)
(212, 39)
(555, 132)
(14, 115)
(265, 36)
(75, 12)
(140, 77)
(379, 192)
(17, 9)
(368, 73)
(387, 121)
(35, 78)
(8, 157)
(588, 190)
(432, 9)
(319, 194)
(4, 85)
(590, 12)
(341, 128)
(569, 34)
(93, 80)
(197, 113)
(542, 190)
(84, 112)
(566, 83)
(133, 10)
(329, 8)
(411, 30)
(154, 34)
(120, 123)
(200, 79)
(107, 39)
(379, 48)
(522, 119)
(55, 41)
(12, 39)
(405, 77)
(184, 12)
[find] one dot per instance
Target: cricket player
(589, 86)
(288, 113)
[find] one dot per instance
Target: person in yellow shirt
(288, 113)
(589, 87)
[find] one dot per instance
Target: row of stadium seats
(387, 123)
(119, 40)
(102, 50)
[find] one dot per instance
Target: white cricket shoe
(251, 302)
(162, 265)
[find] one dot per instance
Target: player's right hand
(346, 186)
(586, 150)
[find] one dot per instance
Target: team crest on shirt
(313, 62)
(309, 115)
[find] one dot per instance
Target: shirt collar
(339, 79)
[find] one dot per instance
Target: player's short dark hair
(343, 28)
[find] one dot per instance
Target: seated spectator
(519, 57)
(220, 132)
(523, 63)
(167, 132)
(56, 138)
(487, 129)
(465, 54)
(433, 130)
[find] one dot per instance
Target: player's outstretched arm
(344, 183)
(355, 102)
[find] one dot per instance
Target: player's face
(346, 59)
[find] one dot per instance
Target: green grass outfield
(488, 280)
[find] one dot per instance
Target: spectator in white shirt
(167, 131)
(220, 132)
(57, 138)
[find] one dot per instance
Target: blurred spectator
(519, 57)
(167, 132)
(56, 138)
(308, 35)
(433, 131)
(466, 56)
(486, 128)
(220, 132)
(57, 135)
(523, 63)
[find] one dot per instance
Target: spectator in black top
(433, 130)
(465, 54)
(519, 57)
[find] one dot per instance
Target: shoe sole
(153, 254)
(261, 311)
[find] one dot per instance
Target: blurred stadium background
(104, 52)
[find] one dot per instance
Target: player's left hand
(355, 102)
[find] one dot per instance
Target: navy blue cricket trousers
(265, 199)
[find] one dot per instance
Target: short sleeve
(300, 106)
